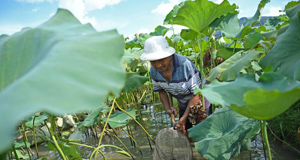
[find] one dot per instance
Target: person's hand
(172, 110)
(180, 126)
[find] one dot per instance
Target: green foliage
(265, 98)
(94, 116)
(173, 12)
(255, 19)
(286, 125)
(60, 67)
(39, 120)
(232, 67)
(119, 118)
(284, 56)
(223, 134)
(252, 39)
(198, 15)
(21, 144)
(159, 31)
(231, 28)
(133, 81)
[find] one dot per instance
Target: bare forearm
(194, 99)
(164, 100)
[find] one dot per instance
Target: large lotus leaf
(231, 68)
(173, 12)
(285, 55)
(231, 28)
(255, 19)
(133, 81)
(222, 134)
(261, 99)
(198, 15)
(292, 10)
(59, 67)
(119, 118)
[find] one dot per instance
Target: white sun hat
(156, 48)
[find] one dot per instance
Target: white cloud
(74, 6)
(165, 8)
(99, 4)
(218, 1)
(80, 9)
(272, 11)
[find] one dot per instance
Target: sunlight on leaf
(264, 99)
(60, 67)
(198, 15)
(222, 134)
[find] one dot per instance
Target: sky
(127, 16)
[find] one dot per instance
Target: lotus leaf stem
(123, 145)
(266, 140)
(102, 133)
(201, 69)
(34, 136)
(15, 152)
(136, 122)
(54, 139)
(25, 139)
(133, 141)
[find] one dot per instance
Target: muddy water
(144, 148)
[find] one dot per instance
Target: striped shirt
(185, 78)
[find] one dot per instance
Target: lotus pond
(65, 67)
(144, 148)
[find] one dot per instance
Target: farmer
(175, 74)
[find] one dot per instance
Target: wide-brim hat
(156, 48)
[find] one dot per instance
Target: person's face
(162, 65)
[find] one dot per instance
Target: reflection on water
(144, 148)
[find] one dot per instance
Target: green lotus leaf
(231, 68)
(188, 34)
(93, 117)
(69, 151)
(231, 28)
(130, 55)
(223, 52)
(252, 39)
(292, 10)
(59, 67)
(222, 134)
(284, 56)
(21, 144)
(262, 99)
(198, 15)
(119, 118)
(133, 81)
(255, 19)
(291, 5)
(173, 12)
(39, 120)
(160, 31)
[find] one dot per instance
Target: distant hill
(263, 19)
